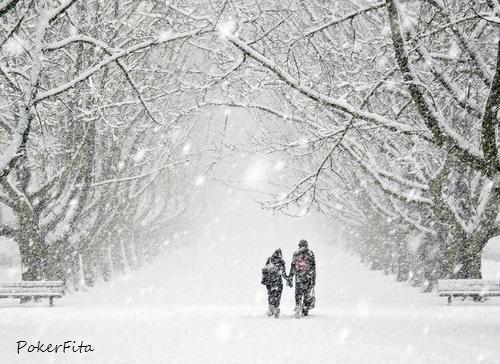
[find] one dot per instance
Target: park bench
(32, 289)
(475, 288)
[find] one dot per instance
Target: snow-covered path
(203, 303)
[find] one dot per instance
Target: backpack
(302, 264)
(269, 273)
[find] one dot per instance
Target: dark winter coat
(303, 266)
(274, 270)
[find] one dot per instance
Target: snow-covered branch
(335, 21)
(116, 56)
(337, 104)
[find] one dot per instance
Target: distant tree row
(388, 116)
(96, 127)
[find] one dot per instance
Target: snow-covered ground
(203, 303)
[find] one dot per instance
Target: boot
(277, 313)
(270, 310)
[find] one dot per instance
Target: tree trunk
(116, 253)
(59, 261)
(471, 265)
(403, 262)
(89, 266)
(470, 256)
(104, 262)
(33, 259)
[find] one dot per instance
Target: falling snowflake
(139, 155)
(14, 46)
(164, 36)
(186, 148)
(227, 29)
(254, 174)
(279, 166)
(200, 180)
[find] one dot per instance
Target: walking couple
(303, 269)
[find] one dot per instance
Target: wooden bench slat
(464, 284)
(2, 293)
(469, 293)
(33, 284)
(30, 291)
(28, 288)
(36, 294)
(32, 294)
(470, 290)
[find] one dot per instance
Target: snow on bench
(477, 288)
(32, 289)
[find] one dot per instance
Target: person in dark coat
(272, 275)
(304, 269)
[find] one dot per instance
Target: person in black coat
(272, 275)
(304, 269)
